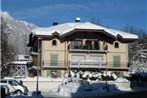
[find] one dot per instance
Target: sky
(113, 13)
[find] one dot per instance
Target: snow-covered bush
(93, 76)
(86, 75)
(108, 76)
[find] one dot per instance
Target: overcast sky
(113, 13)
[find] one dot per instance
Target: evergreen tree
(7, 51)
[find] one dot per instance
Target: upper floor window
(116, 44)
(54, 43)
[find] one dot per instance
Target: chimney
(55, 23)
(77, 19)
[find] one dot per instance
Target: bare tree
(142, 38)
(137, 49)
(135, 30)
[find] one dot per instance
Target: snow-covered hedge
(92, 76)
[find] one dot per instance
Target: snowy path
(77, 88)
(139, 94)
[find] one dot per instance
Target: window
(96, 57)
(116, 61)
(77, 44)
(96, 45)
(54, 43)
(3, 81)
(54, 73)
(88, 44)
(116, 44)
(78, 57)
(12, 83)
(54, 59)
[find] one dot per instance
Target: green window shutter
(54, 59)
(116, 61)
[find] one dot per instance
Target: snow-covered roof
(68, 27)
(121, 33)
(61, 29)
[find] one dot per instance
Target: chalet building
(78, 45)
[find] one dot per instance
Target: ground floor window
(54, 73)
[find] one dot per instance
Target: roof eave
(128, 40)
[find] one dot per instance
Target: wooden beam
(86, 68)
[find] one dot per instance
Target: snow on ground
(82, 89)
(85, 88)
(75, 87)
(35, 78)
(18, 96)
(41, 79)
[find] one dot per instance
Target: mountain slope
(18, 32)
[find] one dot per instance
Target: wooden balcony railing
(87, 48)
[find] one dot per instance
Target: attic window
(116, 44)
(54, 43)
